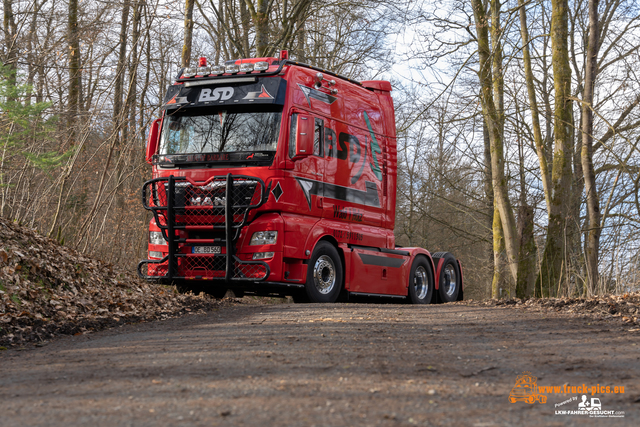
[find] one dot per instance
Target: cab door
(309, 170)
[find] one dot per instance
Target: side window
(318, 138)
(292, 135)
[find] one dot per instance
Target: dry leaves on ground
(625, 308)
(47, 289)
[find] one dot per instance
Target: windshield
(220, 131)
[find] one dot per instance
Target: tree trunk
(527, 262)
(245, 24)
(10, 39)
(554, 257)
(593, 205)
(120, 69)
(188, 33)
(493, 118)
(260, 16)
(498, 282)
(491, 211)
(73, 43)
(527, 253)
(31, 56)
(533, 107)
(300, 47)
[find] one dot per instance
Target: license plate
(205, 249)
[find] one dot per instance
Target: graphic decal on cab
(375, 149)
(338, 192)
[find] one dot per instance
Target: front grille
(212, 213)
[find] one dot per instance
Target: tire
(421, 282)
(324, 274)
(450, 279)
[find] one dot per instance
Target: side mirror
(304, 136)
(152, 142)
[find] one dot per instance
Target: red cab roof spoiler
(377, 85)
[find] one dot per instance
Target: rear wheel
(421, 281)
(450, 280)
(324, 274)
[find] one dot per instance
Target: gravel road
(325, 365)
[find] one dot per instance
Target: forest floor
(84, 342)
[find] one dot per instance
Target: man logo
(217, 94)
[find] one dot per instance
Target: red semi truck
(273, 177)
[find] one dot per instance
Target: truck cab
(274, 177)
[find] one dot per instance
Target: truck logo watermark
(588, 406)
(526, 389)
(216, 94)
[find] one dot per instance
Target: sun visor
(209, 92)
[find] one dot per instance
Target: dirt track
(342, 365)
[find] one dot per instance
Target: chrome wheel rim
(449, 281)
(324, 274)
(420, 282)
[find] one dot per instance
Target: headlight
(264, 238)
(155, 238)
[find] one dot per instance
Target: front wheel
(421, 281)
(324, 274)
